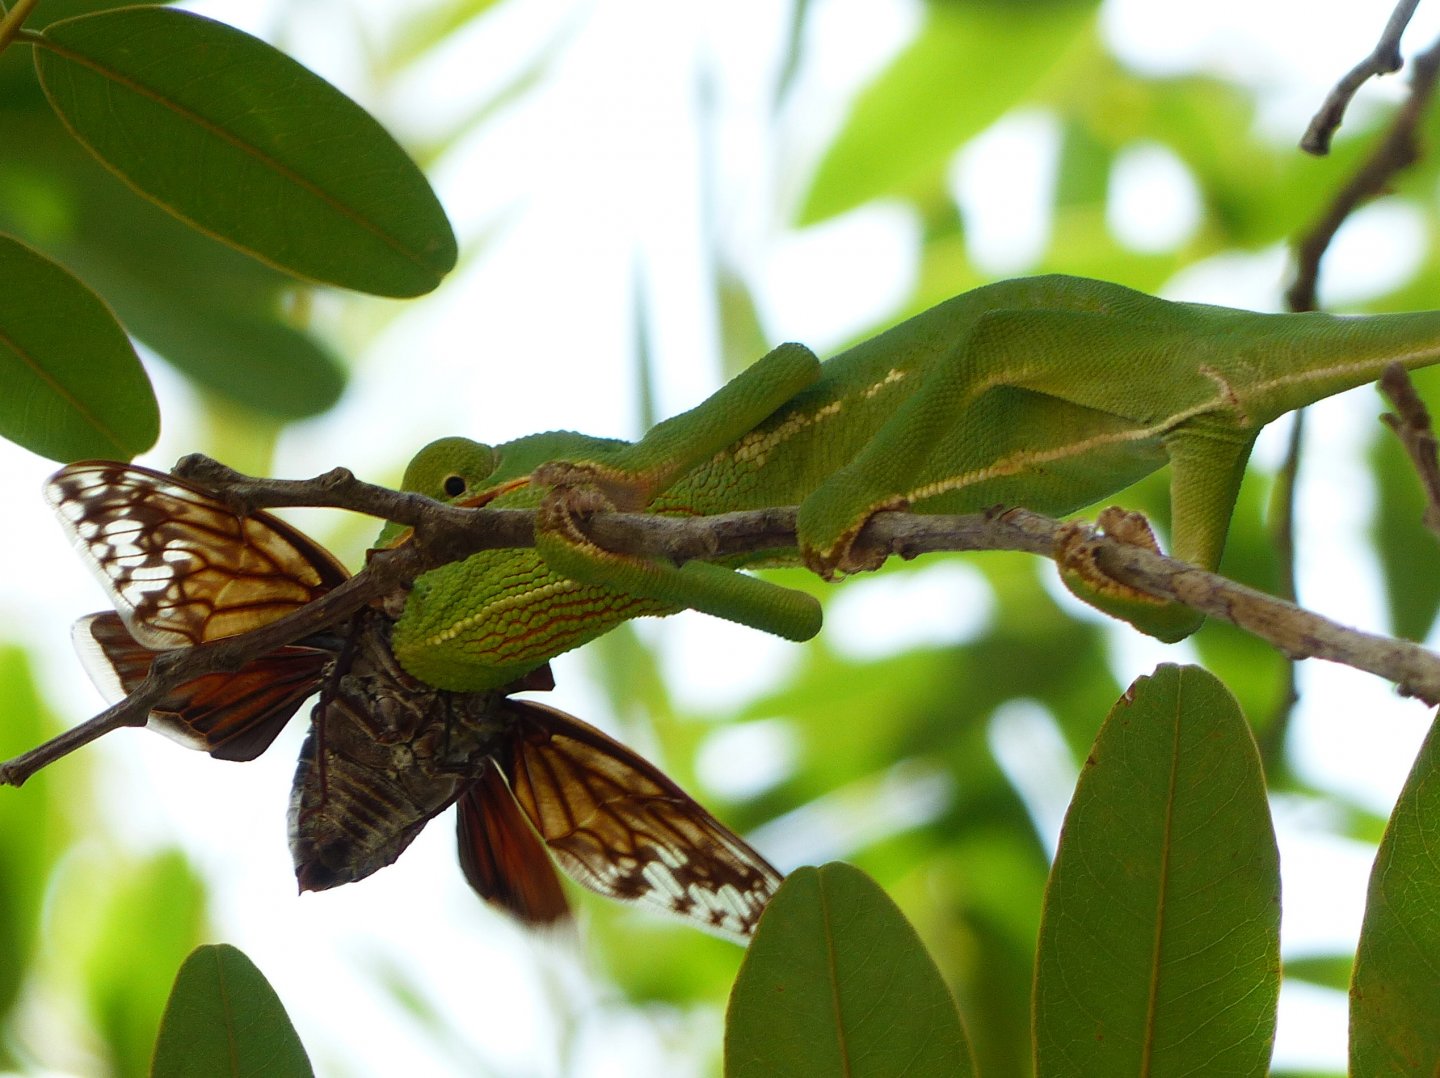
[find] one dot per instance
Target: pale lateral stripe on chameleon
(1319, 374)
(1016, 463)
(754, 448)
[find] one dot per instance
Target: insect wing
(181, 566)
(232, 716)
(619, 826)
(501, 856)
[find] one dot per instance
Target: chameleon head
(480, 623)
(448, 469)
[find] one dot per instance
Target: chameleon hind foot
(1082, 575)
(844, 557)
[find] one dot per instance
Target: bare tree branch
(1384, 59)
(1298, 633)
(1411, 424)
(443, 534)
(1397, 151)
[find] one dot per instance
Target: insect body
(386, 752)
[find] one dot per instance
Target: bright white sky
(592, 177)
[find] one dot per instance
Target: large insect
(385, 753)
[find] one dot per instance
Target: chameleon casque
(1050, 393)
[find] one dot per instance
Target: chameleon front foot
(573, 488)
(712, 589)
(1082, 575)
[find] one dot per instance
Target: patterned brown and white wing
(232, 716)
(182, 567)
(617, 825)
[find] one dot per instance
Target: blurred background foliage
(937, 767)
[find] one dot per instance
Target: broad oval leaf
(1160, 940)
(257, 361)
(223, 1018)
(244, 143)
(71, 385)
(224, 319)
(837, 982)
(1395, 993)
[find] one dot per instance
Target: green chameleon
(1050, 393)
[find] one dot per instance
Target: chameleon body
(1050, 393)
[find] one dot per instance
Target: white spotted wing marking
(185, 569)
(181, 566)
(617, 825)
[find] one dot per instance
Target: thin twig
(1282, 533)
(1397, 150)
(1384, 59)
(14, 20)
(1411, 424)
(1297, 633)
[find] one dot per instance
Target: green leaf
(239, 140)
(223, 1018)
(230, 323)
(1159, 943)
(33, 831)
(970, 63)
(430, 27)
(1395, 995)
(71, 385)
(145, 918)
(837, 982)
(1332, 971)
(261, 363)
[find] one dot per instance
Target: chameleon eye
(454, 486)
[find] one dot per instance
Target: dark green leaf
(258, 362)
(241, 141)
(71, 385)
(224, 1019)
(837, 982)
(216, 314)
(1395, 995)
(1159, 944)
(1327, 970)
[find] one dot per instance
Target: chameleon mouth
(473, 501)
(488, 495)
